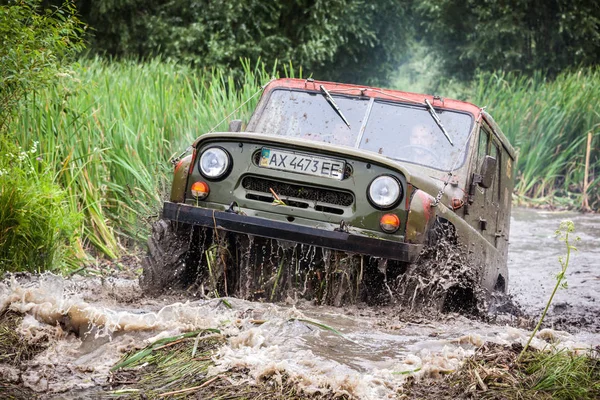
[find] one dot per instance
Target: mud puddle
(86, 326)
(533, 265)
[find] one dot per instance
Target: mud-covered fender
(421, 217)
(180, 178)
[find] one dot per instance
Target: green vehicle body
(474, 197)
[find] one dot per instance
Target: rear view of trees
(338, 39)
(511, 35)
(352, 40)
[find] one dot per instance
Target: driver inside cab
(421, 146)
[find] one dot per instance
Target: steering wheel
(422, 149)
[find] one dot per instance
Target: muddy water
(533, 265)
(91, 323)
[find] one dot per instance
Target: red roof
(387, 94)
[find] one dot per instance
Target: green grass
(495, 372)
(564, 375)
(548, 122)
(110, 129)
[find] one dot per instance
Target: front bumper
(335, 240)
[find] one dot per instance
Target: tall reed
(548, 122)
(111, 136)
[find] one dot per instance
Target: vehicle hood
(423, 178)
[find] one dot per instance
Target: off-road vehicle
(332, 191)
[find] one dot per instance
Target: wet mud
(209, 263)
(72, 332)
(442, 280)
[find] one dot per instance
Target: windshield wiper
(437, 120)
(331, 101)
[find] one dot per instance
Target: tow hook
(343, 227)
(231, 206)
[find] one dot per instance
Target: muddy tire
(164, 266)
(442, 279)
(442, 231)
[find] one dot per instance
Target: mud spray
(209, 263)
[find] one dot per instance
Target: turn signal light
(200, 190)
(389, 223)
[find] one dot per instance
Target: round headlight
(385, 191)
(214, 163)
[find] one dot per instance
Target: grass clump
(38, 231)
(14, 348)
(565, 375)
(177, 367)
(495, 372)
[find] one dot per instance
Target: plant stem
(585, 206)
(558, 281)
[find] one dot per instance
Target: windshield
(403, 132)
(308, 115)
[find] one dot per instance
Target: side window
(493, 193)
(483, 146)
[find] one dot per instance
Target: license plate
(302, 163)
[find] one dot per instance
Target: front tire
(164, 266)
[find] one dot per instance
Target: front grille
(308, 193)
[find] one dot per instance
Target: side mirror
(235, 125)
(488, 169)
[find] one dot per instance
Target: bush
(36, 42)
(37, 229)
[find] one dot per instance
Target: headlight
(214, 163)
(385, 192)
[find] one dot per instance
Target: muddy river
(369, 353)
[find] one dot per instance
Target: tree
(35, 44)
(352, 40)
(524, 35)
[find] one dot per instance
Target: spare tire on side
(168, 249)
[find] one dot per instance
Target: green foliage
(350, 40)
(110, 129)
(548, 122)
(565, 375)
(565, 229)
(523, 35)
(37, 230)
(35, 45)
